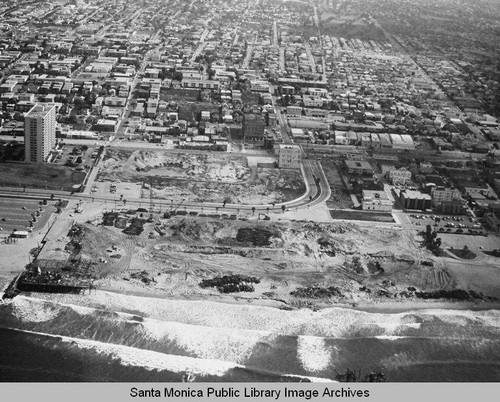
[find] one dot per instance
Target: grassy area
(189, 109)
(362, 216)
(44, 176)
(12, 152)
(463, 253)
(180, 94)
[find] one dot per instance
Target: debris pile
(231, 283)
(143, 276)
(136, 227)
(256, 236)
(316, 292)
(455, 294)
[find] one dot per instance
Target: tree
(283, 208)
(437, 243)
(177, 76)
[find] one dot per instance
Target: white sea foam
(467, 317)
(82, 310)
(313, 353)
(397, 360)
(333, 322)
(150, 360)
(390, 337)
(208, 342)
(29, 310)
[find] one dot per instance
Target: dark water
(68, 345)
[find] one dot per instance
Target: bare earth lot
(199, 177)
(295, 263)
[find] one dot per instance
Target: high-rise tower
(39, 132)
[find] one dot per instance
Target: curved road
(317, 191)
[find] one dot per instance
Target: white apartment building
(259, 86)
(294, 111)
(289, 156)
(440, 194)
(485, 191)
(399, 176)
(39, 132)
(376, 201)
(201, 84)
(312, 101)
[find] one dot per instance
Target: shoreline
(375, 306)
(379, 307)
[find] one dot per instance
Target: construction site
(229, 258)
(196, 177)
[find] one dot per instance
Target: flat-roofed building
(492, 221)
(441, 194)
(289, 156)
(358, 167)
(294, 110)
(485, 191)
(376, 201)
(453, 207)
(366, 140)
(200, 84)
(259, 86)
(399, 176)
(253, 128)
(416, 200)
(39, 132)
(375, 140)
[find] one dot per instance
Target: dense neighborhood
(254, 185)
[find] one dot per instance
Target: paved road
(317, 191)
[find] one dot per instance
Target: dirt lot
(340, 198)
(296, 264)
(45, 176)
(200, 177)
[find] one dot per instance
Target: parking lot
(19, 214)
(76, 156)
(447, 223)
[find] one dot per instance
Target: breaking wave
(243, 342)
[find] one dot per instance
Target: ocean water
(112, 337)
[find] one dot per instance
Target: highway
(317, 191)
